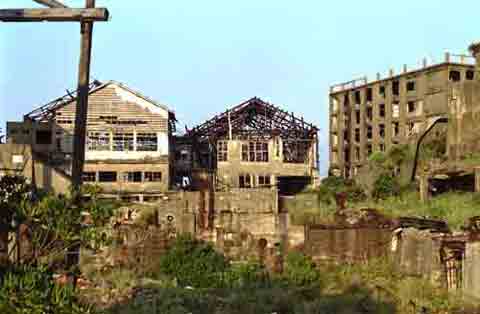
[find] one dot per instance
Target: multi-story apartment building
(366, 117)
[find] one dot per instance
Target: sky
(200, 57)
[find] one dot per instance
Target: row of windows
(251, 181)
(255, 151)
(122, 141)
(113, 176)
(410, 86)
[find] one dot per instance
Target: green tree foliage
(332, 185)
(32, 290)
(193, 263)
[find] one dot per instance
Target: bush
(193, 263)
(300, 270)
(385, 186)
(32, 290)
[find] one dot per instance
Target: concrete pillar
(471, 270)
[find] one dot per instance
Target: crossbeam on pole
(51, 3)
(54, 15)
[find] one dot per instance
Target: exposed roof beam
(54, 15)
(51, 3)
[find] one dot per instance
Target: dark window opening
(454, 76)
(369, 149)
(357, 153)
(89, 177)
(381, 90)
(147, 142)
(396, 128)
(135, 176)
(411, 86)
(381, 130)
(357, 116)
(358, 99)
(107, 176)
(153, 176)
(396, 88)
(369, 94)
(44, 137)
(369, 113)
(264, 180)
(245, 181)
(369, 132)
(357, 135)
(470, 75)
(381, 111)
(347, 155)
(411, 106)
(382, 147)
(346, 100)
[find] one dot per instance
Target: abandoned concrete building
(253, 144)
(366, 117)
(128, 143)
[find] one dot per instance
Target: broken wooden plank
(51, 3)
(54, 15)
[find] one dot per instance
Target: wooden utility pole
(58, 12)
(86, 30)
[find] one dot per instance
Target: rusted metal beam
(51, 3)
(54, 15)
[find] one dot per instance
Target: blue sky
(198, 57)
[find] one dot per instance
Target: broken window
(395, 110)
(358, 98)
(381, 111)
(369, 95)
(134, 176)
(222, 151)
(357, 135)
(357, 116)
(346, 100)
(396, 128)
(381, 130)
(147, 142)
(346, 154)
(44, 137)
(89, 177)
(469, 75)
(107, 176)
(369, 113)
(97, 141)
(122, 142)
(255, 151)
(396, 88)
(411, 106)
(245, 181)
(454, 76)
(264, 180)
(381, 90)
(369, 132)
(153, 176)
(296, 151)
(381, 146)
(410, 86)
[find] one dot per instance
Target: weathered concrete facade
(374, 116)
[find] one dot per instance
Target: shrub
(385, 186)
(193, 263)
(300, 270)
(32, 290)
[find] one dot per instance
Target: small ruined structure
(253, 144)
(127, 145)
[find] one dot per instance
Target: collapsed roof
(255, 117)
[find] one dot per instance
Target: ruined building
(366, 117)
(127, 147)
(254, 144)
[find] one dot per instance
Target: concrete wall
(471, 269)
